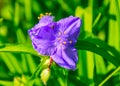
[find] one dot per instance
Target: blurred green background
(100, 33)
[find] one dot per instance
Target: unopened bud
(46, 63)
(45, 75)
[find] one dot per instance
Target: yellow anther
(49, 14)
(64, 42)
(70, 42)
(40, 16)
(59, 38)
(64, 32)
(46, 13)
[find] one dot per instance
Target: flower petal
(43, 40)
(45, 20)
(66, 57)
(74, 27)
(46, 48)
(71, 27)
(69, 23)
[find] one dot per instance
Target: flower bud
(45, 75)
(46, 63)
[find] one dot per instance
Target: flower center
(63, 39)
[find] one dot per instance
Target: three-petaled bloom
(57, 39)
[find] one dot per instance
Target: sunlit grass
(98, 44)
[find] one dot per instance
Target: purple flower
(57, 39)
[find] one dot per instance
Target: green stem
(66, 78)
(118, 16)
(38, 69)
(61, 82)
(106, 79)
(96, 20)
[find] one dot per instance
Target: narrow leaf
(23, 48)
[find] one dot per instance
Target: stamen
(40, 16)
(46, 13)
(64, 42)
(70, 42)
(64, 32)
(49, 14)
(59, 38)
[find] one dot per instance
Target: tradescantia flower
(57, 39)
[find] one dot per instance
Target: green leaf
(7, 62)
(96, 48)
(21, 48)
(96, 20)
(6, 83)
(111, 50)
